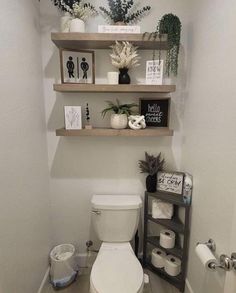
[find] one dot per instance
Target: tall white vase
(65, 22)
(77, 26)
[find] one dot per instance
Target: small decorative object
(154, 72)
(188, 187)
(136, 122)
(171, 182)
(119, 29)
(124, 56)
(88, 125)
(155, 111)
(123, 12)
(73, 117)
(167, 239)
(162, 210)
(77, 66)
(151, 166)
(119, 118)
(112, 77)
(170, 24)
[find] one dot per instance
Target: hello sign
(155, 111)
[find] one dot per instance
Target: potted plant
(151, 165)
(124, 56)
(123, 12)
(170, 24)
(119, 117)
(76, 13)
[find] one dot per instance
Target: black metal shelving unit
(175, 224)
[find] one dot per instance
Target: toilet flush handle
(96, 212)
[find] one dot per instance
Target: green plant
(118, 108)
(123, 11)
(170, 24)
(152, 164)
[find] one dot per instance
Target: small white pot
(65, 22)
(119, 121)
(77, 26)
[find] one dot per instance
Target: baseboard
(44, 281)
(188, 287)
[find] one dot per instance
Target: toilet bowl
(116, 270)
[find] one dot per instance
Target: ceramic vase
(65, 22)
(119, 121)
(124, 77)
(151, 183)
(77, 26)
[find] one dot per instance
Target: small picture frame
(155, 111)
(73, 117)
(170, 182)
(77, 66)
(154, 72)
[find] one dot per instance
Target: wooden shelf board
(155, 241)
(115, 132)
(105, 40)
(173, 224)
(171, 198)
(119, 88)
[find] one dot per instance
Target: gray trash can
(63, 269)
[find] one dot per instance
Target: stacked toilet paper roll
(158, 258)
(172, 265)
(206, 256)
(167, 239)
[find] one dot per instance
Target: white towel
(162, 210)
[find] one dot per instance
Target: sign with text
(119, 29)
(154, 72)
(155, 111)
(170, 182)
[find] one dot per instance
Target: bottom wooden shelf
(162, 131)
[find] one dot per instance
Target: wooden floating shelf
(105, 40)
(109, 88)
(114, 132)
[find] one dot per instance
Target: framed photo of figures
(77, 66)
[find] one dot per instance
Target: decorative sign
(119, 29)
(73, 117)
(155, 111)
(170, 182)
(154, 72)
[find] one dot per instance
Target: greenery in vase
(152, 164)
(124, 55)
(77, 8)
(170, 24)
(118, 108)
(125, 11)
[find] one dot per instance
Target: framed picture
(77, 66)
(171, 182)
(155, 111)
(73, 117)
(154, 72)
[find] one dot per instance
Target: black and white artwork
(154, 72)
(171, 182)
(77, 66)
(73, 117)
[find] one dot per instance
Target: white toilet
(116, 269)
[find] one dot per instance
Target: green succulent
(118, 108)
(152, 164)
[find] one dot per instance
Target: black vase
(124, 76)
(151, 183)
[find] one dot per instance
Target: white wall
(24, 195)
(209, 149)
(80, 167)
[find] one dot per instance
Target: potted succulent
(151, 165)
(124, 56)
(123, 12)
(76, 13)
(119, 117)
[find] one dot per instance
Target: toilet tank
(115, 217)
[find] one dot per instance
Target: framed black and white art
(73, 117)
(154, 72)
(77, 66)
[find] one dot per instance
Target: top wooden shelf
(104, 40)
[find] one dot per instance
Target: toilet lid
(117, 271)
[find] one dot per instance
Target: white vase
(65, 22)
(119, 121)
(77, 26)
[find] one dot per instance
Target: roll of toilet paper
(205, 255)
(162, 210)
(167, 238)
(172, 265)
(158, 258)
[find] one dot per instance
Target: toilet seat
(116, 270)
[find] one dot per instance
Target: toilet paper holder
(210, 244)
